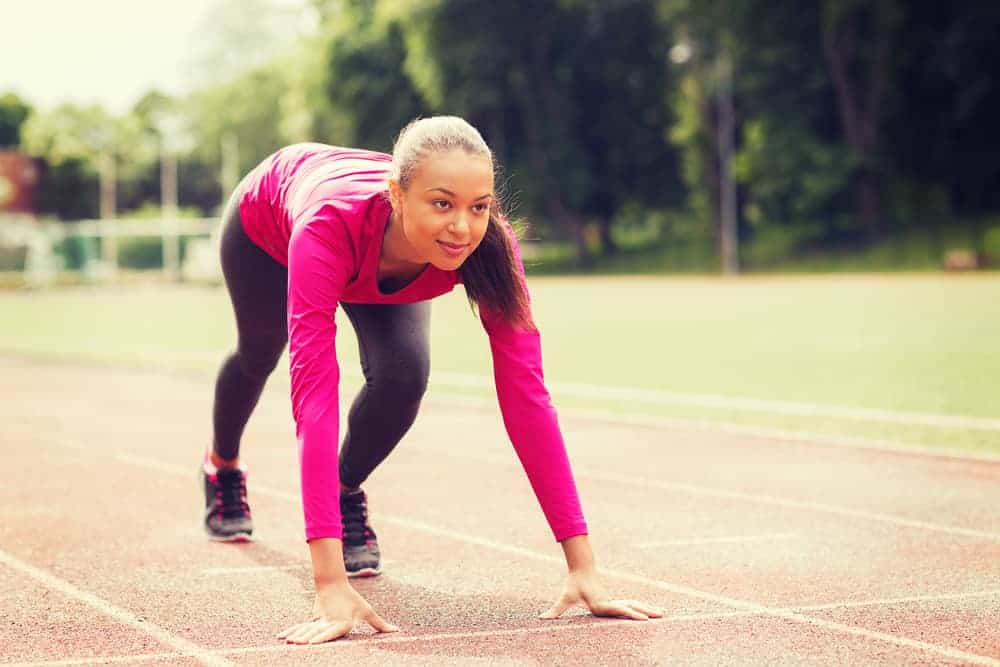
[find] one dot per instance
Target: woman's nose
(459, 226)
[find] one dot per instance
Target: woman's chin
(448, 263)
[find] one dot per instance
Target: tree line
(837, 122)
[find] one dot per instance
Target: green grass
(918, 343)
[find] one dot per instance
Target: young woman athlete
(314, 227)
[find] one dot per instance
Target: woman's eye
(441, 204)
(480, 208)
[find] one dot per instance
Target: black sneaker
(227, 514)
(361, 555)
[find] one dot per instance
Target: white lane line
(891, 601)
(733, 603)
(117, 613)
(698, 490)
(637, 419)
(716, 401)
(656, 397)
(162, 466)
(591, 624)
(265, 569)
(688, 591)
(803, 437)
(572, 625)
(100, 660)
(891, 519)
(694, 489)
(721, 539)
(213, 571)
(368, 640)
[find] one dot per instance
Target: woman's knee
(402, 379)
(259, 361)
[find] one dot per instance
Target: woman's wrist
(327, 555)
(579, 555)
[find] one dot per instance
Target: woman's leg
(395, 359)
(394, 343)
(257, 286)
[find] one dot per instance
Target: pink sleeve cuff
(571, 530)
(328, 530)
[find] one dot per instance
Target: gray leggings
(393, 341)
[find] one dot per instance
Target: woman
(316, 226)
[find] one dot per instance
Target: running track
(762, 551)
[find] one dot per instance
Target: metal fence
(36, 253)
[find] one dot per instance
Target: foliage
(793, 176)
(366, 79)
(572, 94)
(856, 122)
(13, 112)
(68, 189)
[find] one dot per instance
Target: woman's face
(446, 208)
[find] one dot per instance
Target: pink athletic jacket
(321, 211)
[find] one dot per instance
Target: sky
(108, 52)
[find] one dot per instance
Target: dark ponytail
(492, 274)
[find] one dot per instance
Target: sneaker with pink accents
(227, 514)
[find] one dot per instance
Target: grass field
(922, 347)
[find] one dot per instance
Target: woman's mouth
(453, 249)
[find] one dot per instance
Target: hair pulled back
(491, 274)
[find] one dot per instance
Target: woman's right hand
(337, 610)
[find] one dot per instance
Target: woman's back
(289, 186)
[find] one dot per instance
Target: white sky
(108, 52)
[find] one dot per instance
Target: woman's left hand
(582, 586)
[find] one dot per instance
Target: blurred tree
(367, 83)
(13, 112)
(860, 40)
(261, 66)
(248, 108)
(571, 93)
(621, 76)
(705, 47)
(70, 139)
(793, 162)
(941, 131)
(68, 132)
(139, 158)
(795, 168)
(68, 190)
(906, 103)
(850, 115)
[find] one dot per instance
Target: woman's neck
(395, 260)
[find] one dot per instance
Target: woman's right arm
(318, 268)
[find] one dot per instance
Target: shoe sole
(364, 572)
(237, 537)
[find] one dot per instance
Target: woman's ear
(395, 194)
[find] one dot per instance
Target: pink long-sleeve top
(322, 211)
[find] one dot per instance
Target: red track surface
(761, 551)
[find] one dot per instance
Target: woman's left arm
(531, 423)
